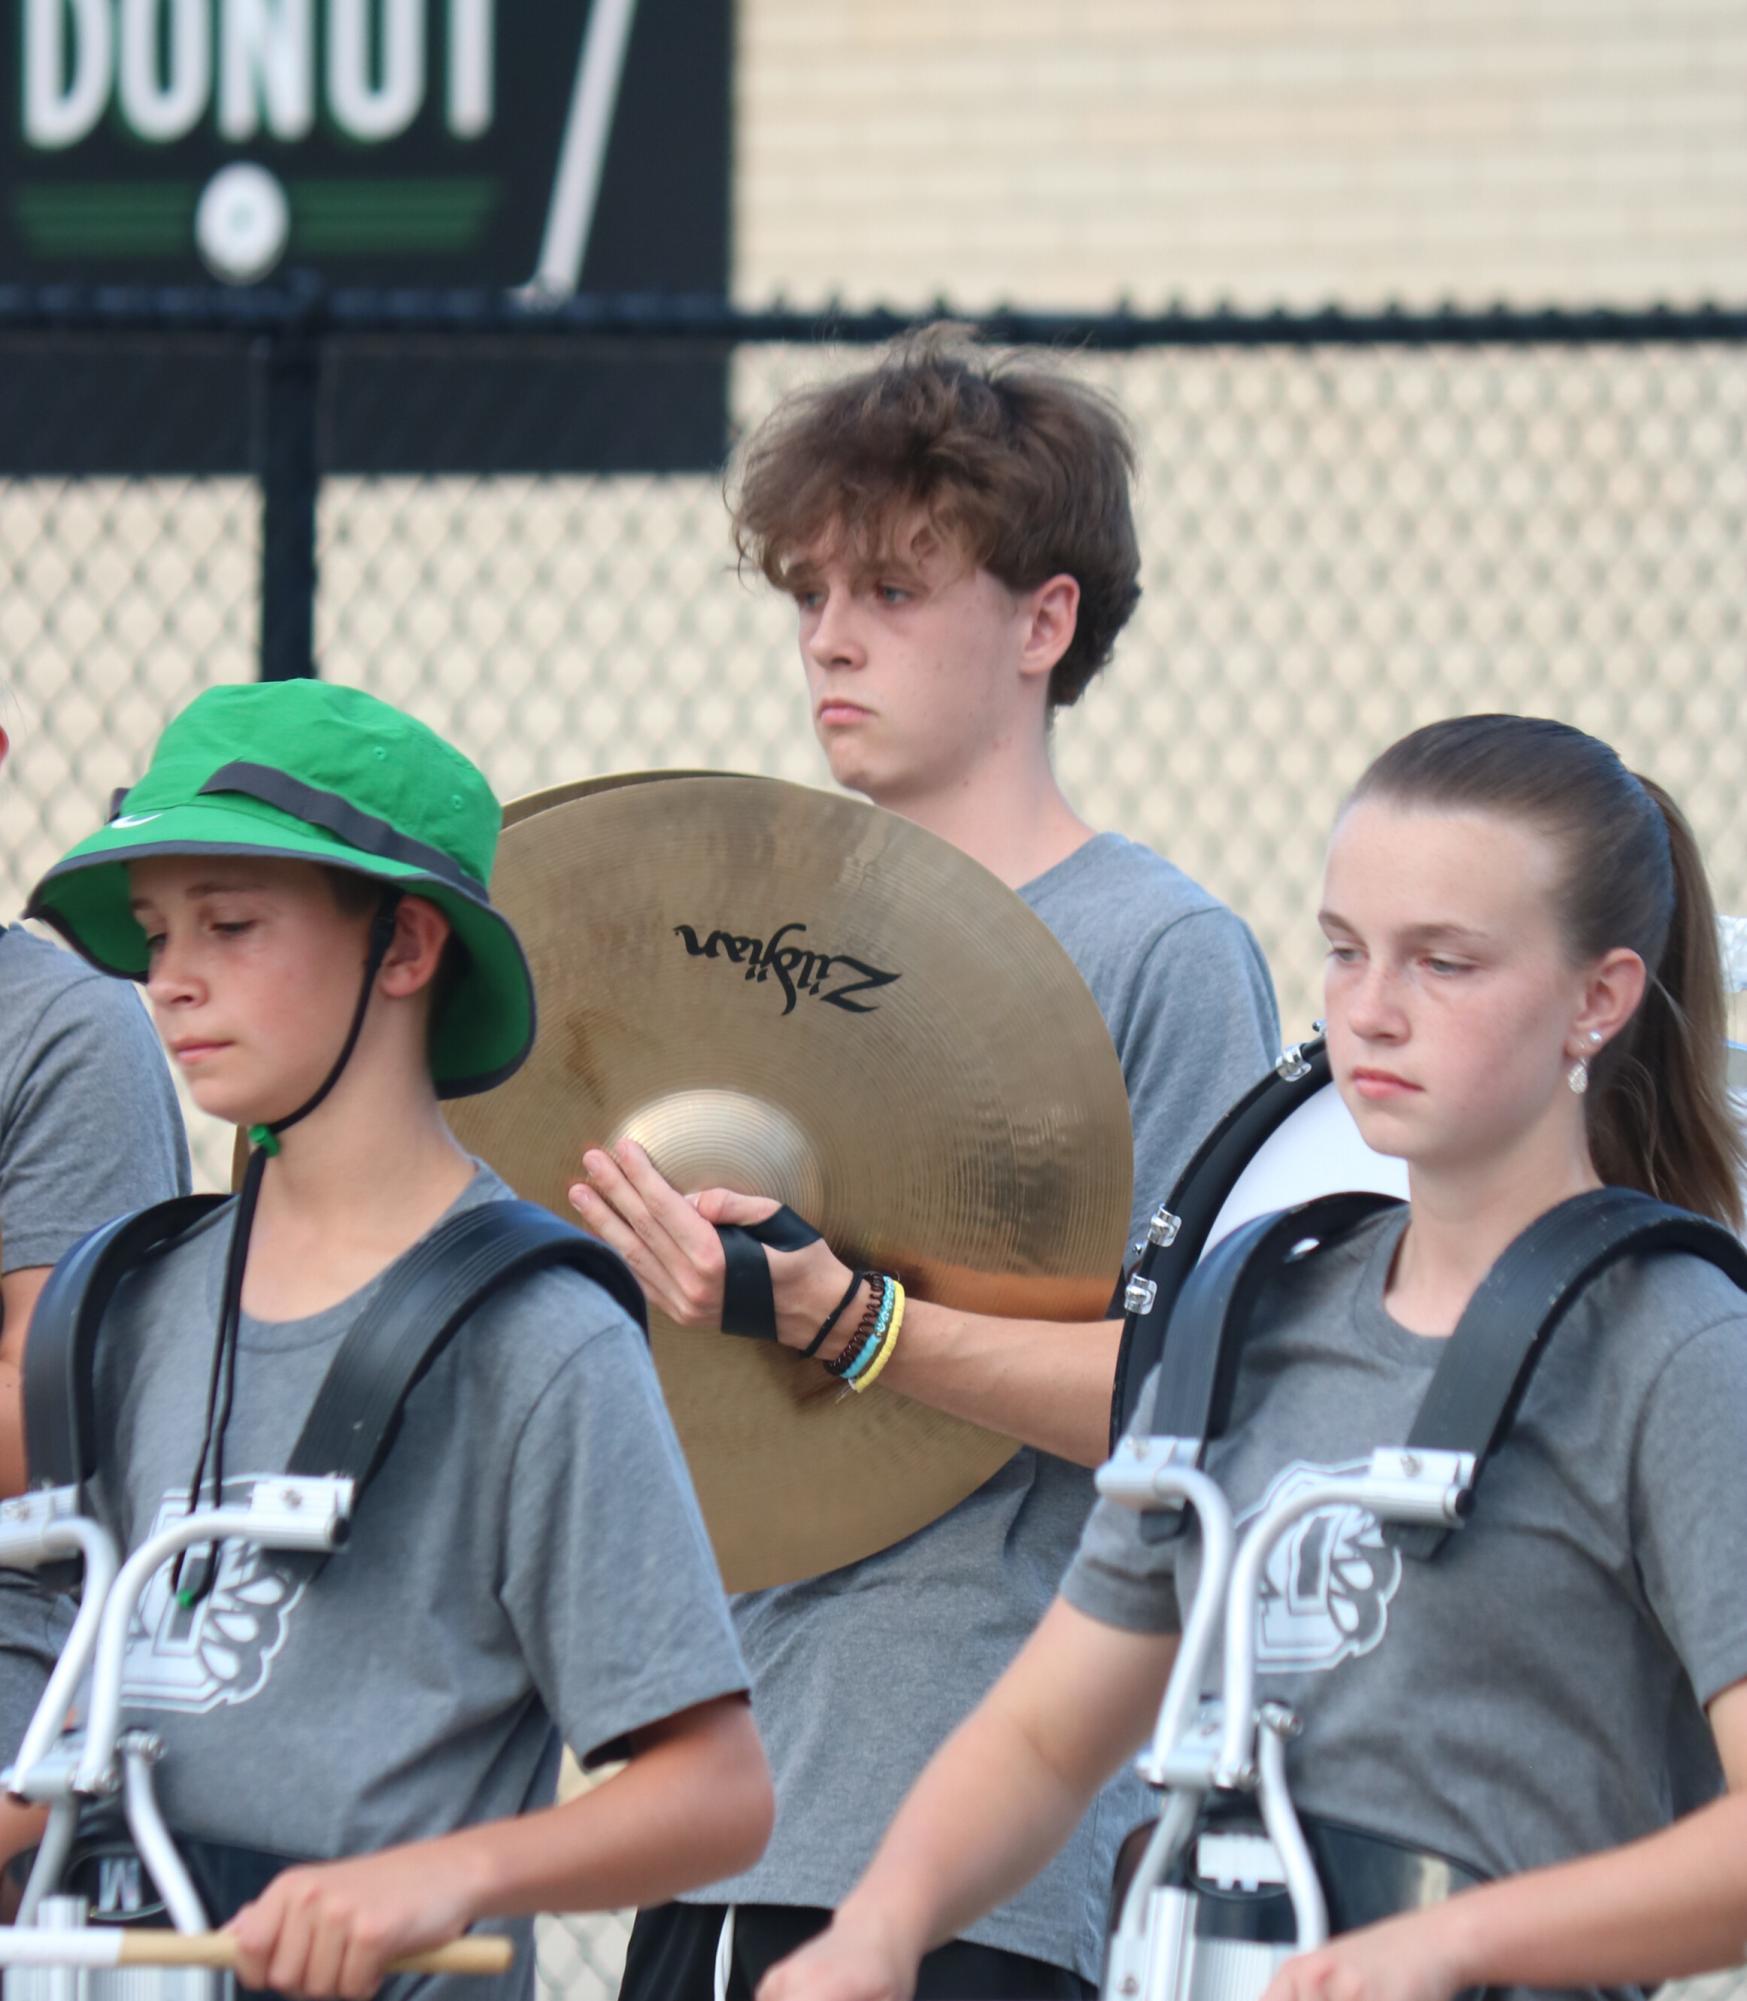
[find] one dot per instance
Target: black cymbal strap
(748, 1304)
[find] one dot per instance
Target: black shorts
(672, 1957)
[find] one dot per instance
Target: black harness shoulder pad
(416, 1313)
(60, 1418)
(395, 1340)
(1489, 1358)
(1216, 1308)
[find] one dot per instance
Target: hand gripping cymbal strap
(61, 1430)
(411, 1320)
(1487, 1362)
(1196, 1200)
(748, 1304)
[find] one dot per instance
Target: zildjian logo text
(796, 969)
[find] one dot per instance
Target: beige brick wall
(1074, 151)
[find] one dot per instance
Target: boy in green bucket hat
(300, 883)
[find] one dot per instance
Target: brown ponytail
(1658, 1107)
(1663, 1121)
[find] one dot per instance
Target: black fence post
(288, 381)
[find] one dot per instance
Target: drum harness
(305, 1514)
(1232, 1880)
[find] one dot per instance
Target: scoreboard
(455, 142)
(538, 147)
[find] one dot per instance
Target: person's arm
(1195, 1031)
(18, 1296)
(21, 1828)
(1047, 1383)
(693, 1804)
(89, 1129)
(993, 1806)
(1672, 1904)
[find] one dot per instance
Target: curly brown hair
(1011, 461)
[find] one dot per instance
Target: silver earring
(1578, 1076)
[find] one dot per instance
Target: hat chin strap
(196, 1568)
(265, 1139)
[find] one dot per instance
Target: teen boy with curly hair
(955, 530)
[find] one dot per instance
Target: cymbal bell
(799, 995)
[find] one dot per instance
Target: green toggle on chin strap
(265, 1138)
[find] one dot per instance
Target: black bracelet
(836, 1314)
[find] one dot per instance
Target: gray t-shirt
(528, 1565)
(1534, 1692)
(930, 1624)
(89, 1129)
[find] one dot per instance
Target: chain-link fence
(1350, 526)
(512, 524)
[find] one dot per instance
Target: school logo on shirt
(1325, 1597)
(196, 1657)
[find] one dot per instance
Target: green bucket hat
(311, 772)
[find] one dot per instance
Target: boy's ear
(1053, 612)
(420, 933)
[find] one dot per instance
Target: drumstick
(105, 1946)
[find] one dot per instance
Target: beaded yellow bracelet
(860, 1382)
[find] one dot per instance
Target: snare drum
(1286, 1140)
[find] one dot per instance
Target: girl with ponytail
(1626, 875)
(1524, 1001)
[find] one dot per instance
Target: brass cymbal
(799, 995)
(531, 803)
